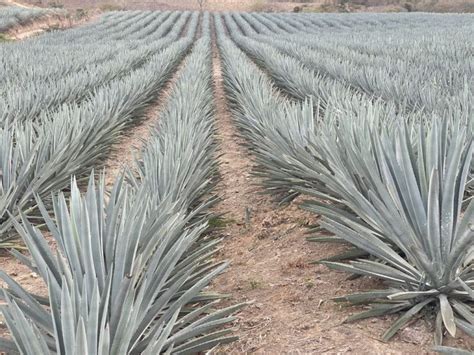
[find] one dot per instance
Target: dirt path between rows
(291, 310)
(129, 147)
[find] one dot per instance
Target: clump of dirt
(19, 272)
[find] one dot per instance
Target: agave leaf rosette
(411, 220)
(119, 282)
(388, 180)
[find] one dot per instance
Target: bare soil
(292, 311)
(124, 152)
(19, 272)
(14, 3)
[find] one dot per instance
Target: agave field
(13, 16)
(368, 118)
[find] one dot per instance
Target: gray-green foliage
(56, 79)
(75, 137)
(397, 78)
(126, 279)
(408, 215)
(185, 132)
(390, 182)
(392, 72)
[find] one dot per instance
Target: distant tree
(55, 5)
(201, 4)
(409, 6)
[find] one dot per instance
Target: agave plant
(411, 219)
(123, 280)
(389, 72)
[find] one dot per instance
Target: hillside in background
(270, 5)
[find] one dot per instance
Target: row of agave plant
(132, 265)
(60, 80)
(38, 156)
(391, 184)
(393, 72)
(294, 72)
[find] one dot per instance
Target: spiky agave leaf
(134, 284)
